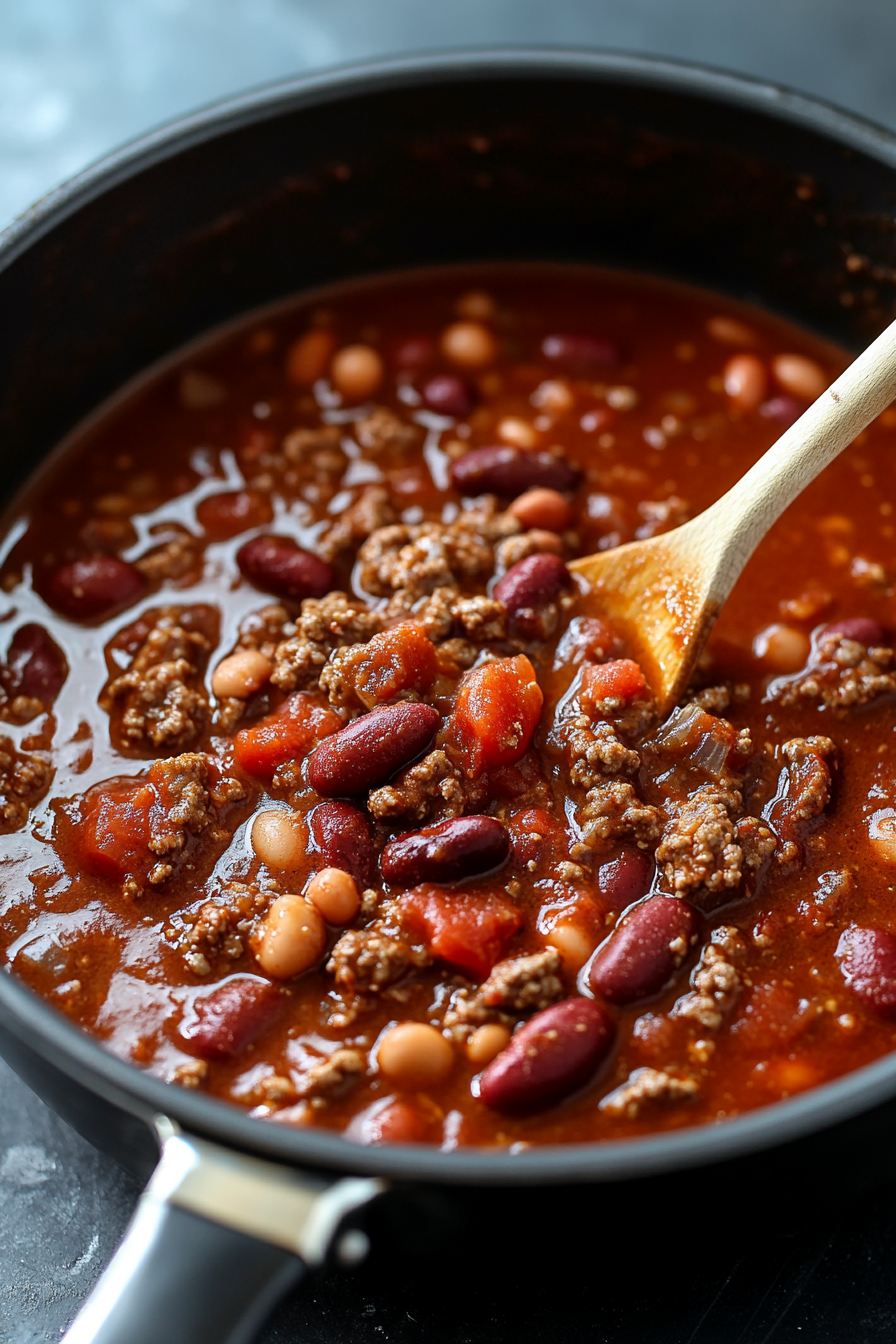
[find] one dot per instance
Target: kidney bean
(644, 950)
(626, 879)
(448, 852)
(95, 585)
(232, 1017)
(785, 410)
(369, 750)
(867, 959)
(588, 351)
(35, 665)
(392, 1120)
(532, 583)
(277, 565)
(507, 471)
(554, 1054)
(341, 835)
(414, 352)
(233, 511)
(446, 394)
(862, 629)
(745, 381)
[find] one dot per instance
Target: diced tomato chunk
(496, 712)
(114, 832)
(286, 735)
(621, 679)
(537, 838)
(468, 929)
(400, 659)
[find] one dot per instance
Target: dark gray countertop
(76, 78)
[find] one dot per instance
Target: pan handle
(216, 1240)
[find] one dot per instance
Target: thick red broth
(324, 786)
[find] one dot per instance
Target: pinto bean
(448, 852)
(357, 371)
(277, 565)
(624, 880)
(469, 344)
(231, 1017)
(414, 1055)
(554, 1054)
(543, 509)
(511, 471)
(292, 937)
(308, 357)
(94, 586)
(335, 894)
(862, 629)
(241, 674)
(867, 959)
(532, 583)
(582, 350)
(371, 749)
(35, 665)
(341, 835)
(745, 381)
(446, 394)
(800, 376)
(644, 950)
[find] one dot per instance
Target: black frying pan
(564, 156)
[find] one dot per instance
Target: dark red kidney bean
(532, 583)
(341, 835)
(448, 852)
(277, 565)
(370, 749)
(626, 879)
(232, 1017)
(862, 629)
(448, 395)
(511, 471)
(35, 664)
(785, 411)
(867, 959)
(644, 950)
(589, 351)
(233, 511)
(554, 1054)
(414, 352)
(392, 1120)
(95, 585)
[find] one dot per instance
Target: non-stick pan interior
(566, 157)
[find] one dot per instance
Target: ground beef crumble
(699, 853)
(613, 811)
(804, 791)
(646, 1087)
(369, 511)
(434, 787)
(594, 751)
(24, 779)
(190, 795)
(160, 698)
(325, 624)
(716, 981)
(842, 674)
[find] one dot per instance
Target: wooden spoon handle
(725, 536)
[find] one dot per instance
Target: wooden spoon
(662, 596)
